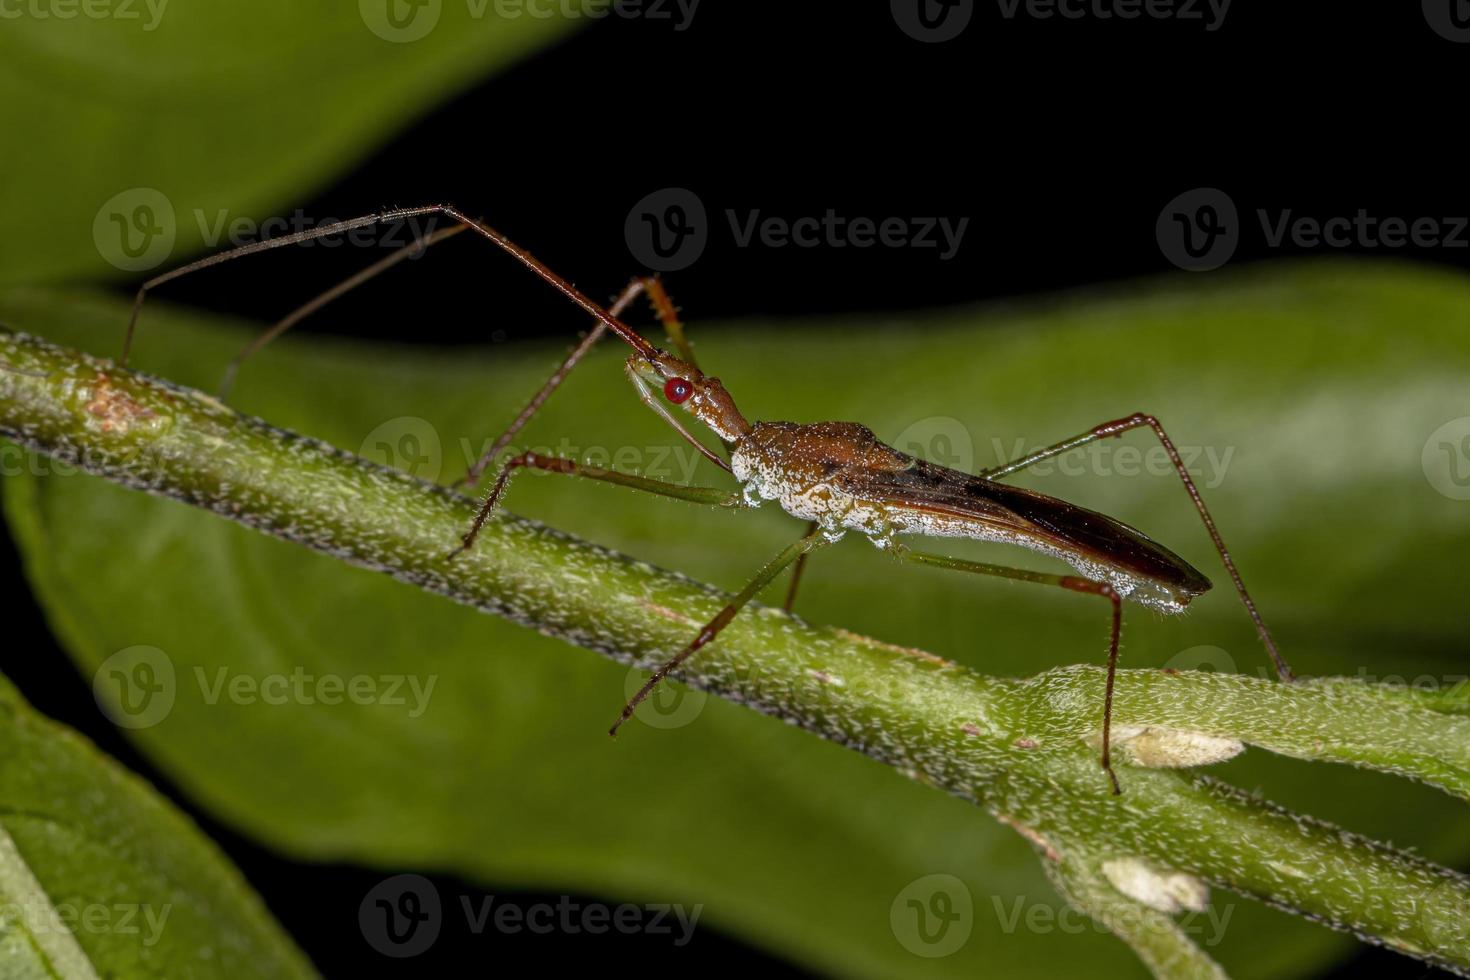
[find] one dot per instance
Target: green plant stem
(1022, 750)
(1159, 941)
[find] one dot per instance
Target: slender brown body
(841, 476)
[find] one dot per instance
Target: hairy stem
(1022, 750)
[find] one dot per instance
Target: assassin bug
(837, 476)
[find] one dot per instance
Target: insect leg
(1074, 583)
(570, 467)
(796, 572)
(306, 309)
(1141, 420)
(722, 619)
(477, 469)
(658, 298)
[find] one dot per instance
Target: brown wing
(925, 487)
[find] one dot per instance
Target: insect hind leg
(1074, 583)
(1139, 420)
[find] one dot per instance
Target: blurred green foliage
(99, 876)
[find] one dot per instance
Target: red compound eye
(677, 390)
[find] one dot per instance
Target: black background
(1061, 140)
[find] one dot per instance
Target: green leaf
(1325, 393)
(99, 876)
(151, 126)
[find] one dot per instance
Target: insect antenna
(627, 333)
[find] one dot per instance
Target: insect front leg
(663, 306)
(478, 467)
(1072, 583)
(570, 467)
(1139, 420)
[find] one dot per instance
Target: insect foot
(1157, 747)
(1164, 891)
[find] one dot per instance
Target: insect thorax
(797, 466)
